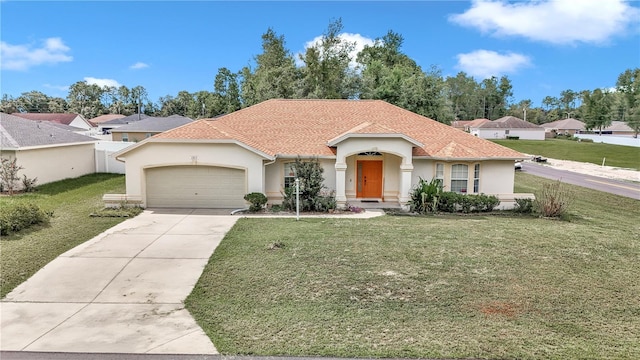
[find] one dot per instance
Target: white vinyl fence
(105, 162)
(611, 139)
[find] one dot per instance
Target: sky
(169, 46)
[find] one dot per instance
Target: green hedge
(16, 217)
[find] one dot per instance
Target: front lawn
(616, 155)
(72, 201)
(482, 286)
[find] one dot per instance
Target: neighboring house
(569, 126)
(508, 126)
(369, 150)
(96, 121)
(75, 120)
(106, 126)
(140, 130)
(45, 151)
(617, 128)
(466, 125)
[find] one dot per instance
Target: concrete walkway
(120, 292)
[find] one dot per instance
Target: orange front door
(369, 179)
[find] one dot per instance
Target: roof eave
(339, 139)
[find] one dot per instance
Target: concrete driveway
(120, 292)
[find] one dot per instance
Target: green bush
(313, 196)
(257, 200)
(17, 217)
(523, 206)
(424, 196)
(447, 201)
(466, 203)
(513, 137)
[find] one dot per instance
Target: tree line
(327, 71)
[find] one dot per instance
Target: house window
(289, 175)
(459, 178)
(125, 137)
(440, 173)
(148, 135)
(506, 132)
(476, 178)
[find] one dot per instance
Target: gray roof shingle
(16, 132)
(154, 124)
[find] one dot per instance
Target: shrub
(257, 200)
(513, 137)
(425, 195)
(312, 195)
(466, 203)
(9, 174)
(524, 206)
(16, 217)
(447, 201)
(553, 200)
(28, 185)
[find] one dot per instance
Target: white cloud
(22, 57)
(102, 82)
(485, 63)
(359, 40)
(139, 65)
(557, 22)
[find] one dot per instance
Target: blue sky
(169, 46)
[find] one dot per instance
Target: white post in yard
(297, 199)
(603, 159)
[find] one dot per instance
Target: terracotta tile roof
(65, 119)
(304, 127)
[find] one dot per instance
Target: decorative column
(406, 170)
(341, 196)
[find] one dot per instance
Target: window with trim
(289, 175)
(125, 137)
(440, 173)
(459, 178)
(476, 178)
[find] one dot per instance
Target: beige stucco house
(369, 149)
(147, 127)
(506, 127)
(45, 151)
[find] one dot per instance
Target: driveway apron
(120, 292)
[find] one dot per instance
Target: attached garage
(195, 187)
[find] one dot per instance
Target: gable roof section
(17, 133)
(154, 124)
(305, 127)
(104, 118)
(565, 124)
(65, 119)
(125, 120)
(508, 122)
(618, 126)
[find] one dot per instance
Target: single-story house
(105, 127)
(75, 120)
(617, 128)
(140, 130)
(369, 150)
(466, 125)
(569, 126)
(46, 151)
(508, 126)
(96, 121)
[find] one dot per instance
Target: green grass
(432, 287)
(616, 155)
(72, 201)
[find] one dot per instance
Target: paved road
(622, 188)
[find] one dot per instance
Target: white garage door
(195, 187)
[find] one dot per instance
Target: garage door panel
(195, 187)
